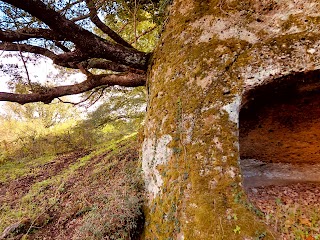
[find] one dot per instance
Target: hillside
(85, 194)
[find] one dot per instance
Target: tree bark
(210, 55)
(46, 95)
(91, 51)
(90, 44)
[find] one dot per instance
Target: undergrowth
(87, 195)
(74, 179)
(295, 221)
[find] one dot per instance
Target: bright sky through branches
(42, 71)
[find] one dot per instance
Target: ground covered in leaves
(293, 209)
(89, 194)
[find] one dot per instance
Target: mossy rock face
(210, 57)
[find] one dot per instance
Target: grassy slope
(80, 195)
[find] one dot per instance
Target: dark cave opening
(279, 131)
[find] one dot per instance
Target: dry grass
(292, 210)
(97, 196)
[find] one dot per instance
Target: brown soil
(304, 194)
(83, 191)
(12, 191)
(292, 209)
(104, 184)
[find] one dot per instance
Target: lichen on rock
(155, 153)
(209, 57)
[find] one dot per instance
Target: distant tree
(120, 105)
(48, 114)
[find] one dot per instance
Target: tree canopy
(77, 34)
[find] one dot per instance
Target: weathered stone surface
(282, 121)
(155, 152)
(211, 55)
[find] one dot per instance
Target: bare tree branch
(124, 26)
(79, 18)
(87, 98)
(146, 32)
(89, 51)
(135, 22)
(70, 59)
(104, 28)
(76, 19)
(25, 67)
(82, 38)
(61, 46)
(48, 94)
(27, 33)
(69, 5)
(7, 46)
(82, 101)
(105, 64)
(98, 98)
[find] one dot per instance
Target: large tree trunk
(212, 53)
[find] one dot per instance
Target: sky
(44, 71)
(38, 73)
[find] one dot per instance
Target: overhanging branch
(104, 64)
(88, 51)
(70, 59)
(8, 46)
(27, 33)
(61, 46)
(104, 28)
(84, 40)
(69, 5)
(48, 94)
